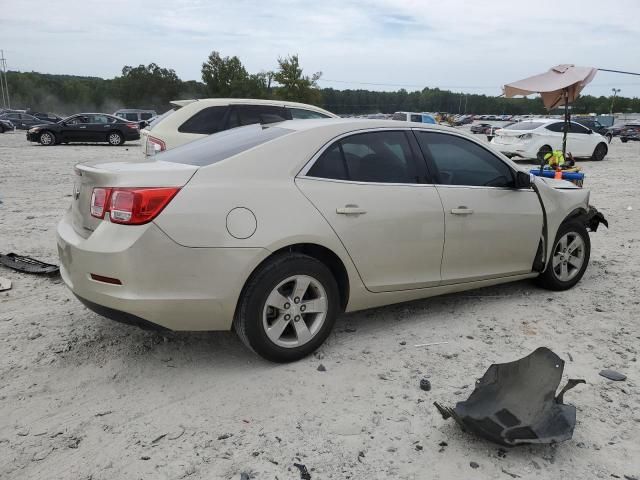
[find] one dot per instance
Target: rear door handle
(462, 211)
(350, 210)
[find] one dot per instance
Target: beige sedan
(274, 231)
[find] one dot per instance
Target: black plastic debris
(515, 403)
(304, 473)
(425, 384)
(28, 264)
(613, 375)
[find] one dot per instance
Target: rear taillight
(99, 199)
(155, 145)
(133, 126)
(130, 206)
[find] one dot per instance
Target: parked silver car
(275, 230)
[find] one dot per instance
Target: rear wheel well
(320, 253)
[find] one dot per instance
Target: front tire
(569, 257)
(115, 139)
(600, 152)
(47, 138)
(288, 308)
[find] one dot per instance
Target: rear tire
(270, 317)
(115, 139)
(599, 152)
(543, 151)
(569, 258)
(623, 140)
(47, 138)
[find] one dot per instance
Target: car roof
(247, 101)
(352, 124)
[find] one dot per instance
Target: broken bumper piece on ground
(515, 403)
(28, 264)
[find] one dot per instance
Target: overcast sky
(473, 46)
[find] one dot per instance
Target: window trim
(407, 130)
(436, 174)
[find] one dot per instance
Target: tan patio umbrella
(561, 85)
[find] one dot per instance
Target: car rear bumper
(162, 283)
(131, 136)
(519, 149)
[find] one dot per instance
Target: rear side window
(218, 147)
(380, 157)
(133, 117)
(462, 162)
(416, 118)
(242, 115)
(206, 121)
(399, 116)
(146, 116)
(302, 114)
(555, 127)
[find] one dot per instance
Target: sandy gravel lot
(84, 398)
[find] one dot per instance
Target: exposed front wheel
(287, 308)
(47, 138)
(569, 257)
(600, 152)
(115, 139)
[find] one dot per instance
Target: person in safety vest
(555, 159)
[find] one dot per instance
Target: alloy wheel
(46, 138)
(114, 139)
(295, 311)
(568, 256)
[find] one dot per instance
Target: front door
(492, 229)
(75, 129)
(371, 188)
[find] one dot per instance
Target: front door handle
(462, 211)
(350, 210)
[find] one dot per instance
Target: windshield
(220, 146)
(524, 126)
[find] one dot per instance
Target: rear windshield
(217, 147)
(524, 126)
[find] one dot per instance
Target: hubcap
(114, 138)
(568, 256)
(295, 311)
(45, 138)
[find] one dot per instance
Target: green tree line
(153, 87)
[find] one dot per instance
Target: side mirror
(523, 180)
(590, 131)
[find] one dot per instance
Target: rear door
(373, 190)
(492, 229)
(580, 140)
(98, 128)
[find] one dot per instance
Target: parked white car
(536, 137)
(274, 231)
(193, 119)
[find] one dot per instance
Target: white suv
(193, 119)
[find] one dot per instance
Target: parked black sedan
(86, 127)
(481, 128)
(5, 125)
(23, 121)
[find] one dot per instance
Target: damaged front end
(593, 218)
(516, 403)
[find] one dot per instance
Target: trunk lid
(120, 174)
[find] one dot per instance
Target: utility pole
(613, 99)
(6, 101)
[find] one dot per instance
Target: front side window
(577, 128)
(462, 162)
(302, 114)
(380, 157)
(416, 118)
(207, 121)
(146, 116)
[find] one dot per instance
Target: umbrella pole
(566, 123)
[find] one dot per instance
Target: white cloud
(467, 46)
